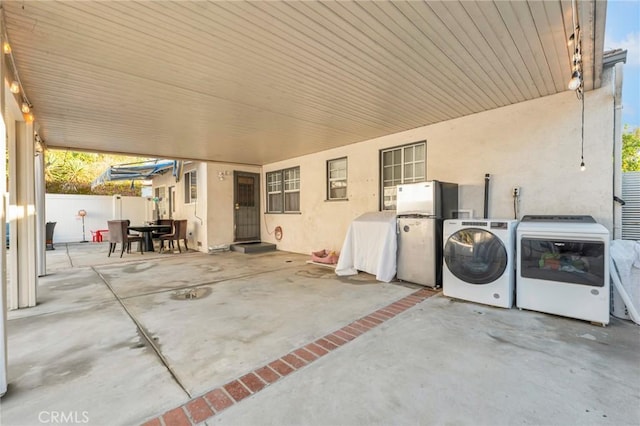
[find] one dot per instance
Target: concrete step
(253, 247)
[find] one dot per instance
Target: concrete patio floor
(239, 339)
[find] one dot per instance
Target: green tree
(71, 172)
(631, 150)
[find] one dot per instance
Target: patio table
(146, 231)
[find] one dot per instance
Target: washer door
(475, 256)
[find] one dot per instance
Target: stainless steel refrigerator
(421, 209)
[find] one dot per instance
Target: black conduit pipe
(487, 177)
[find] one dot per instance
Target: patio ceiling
(264, 81)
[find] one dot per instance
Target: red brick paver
(236, 390)
(176, 417)
(267, 374)
(218, 400)
(253, 382)
(294, 361)
(305, 354)
(316, 349)
(282, 368)
(199, 410)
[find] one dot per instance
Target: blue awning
(139, 171)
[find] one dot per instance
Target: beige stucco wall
(211, 218)
(220, 213)
(534, 145)
(195, 213)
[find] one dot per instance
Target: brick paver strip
(326, 344)
(353, 331)
(336, 340)
(199, 410)
(383, 315)
(344, 336)
(282, 368)
(305, 354)
(380, 316)
(362, 329)
(267, 374)
(318, 350)
(218, 400)
(293, 361)
(237, 390)
(253, 382)
(203, 408)
(374, 320)
(366, 324)
(176, 417)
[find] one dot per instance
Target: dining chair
(179, 233)
(166, 222)
(118, 234)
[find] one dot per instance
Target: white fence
(631, 210)
(63, 209)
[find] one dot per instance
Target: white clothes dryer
(563, 267)
(479, 261)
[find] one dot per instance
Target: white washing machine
(563, 267)
(479, 263)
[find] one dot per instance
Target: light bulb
(15, 87)
(582, 166)
(28, 117)
(6, 48)
(576, 81)
(25, 108)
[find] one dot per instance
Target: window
(405, 164)
(283, 191)
(191, 187)
(337, 179)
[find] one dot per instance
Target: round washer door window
(475, 256)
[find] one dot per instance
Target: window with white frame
(190, 187)
(337, 179)
(283, 191)
(403, 164)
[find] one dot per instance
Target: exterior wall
(195, 212)
(211, 219)
(534, 145)
(63, 209)
(220, 192)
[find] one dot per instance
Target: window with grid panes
(283, 191)
(190, 187)
(337, 179)
(404, 164)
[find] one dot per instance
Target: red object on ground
(96, 236)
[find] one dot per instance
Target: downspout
(617, 150)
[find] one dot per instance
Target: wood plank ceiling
(258, 82)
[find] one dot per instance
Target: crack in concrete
(145, 334)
